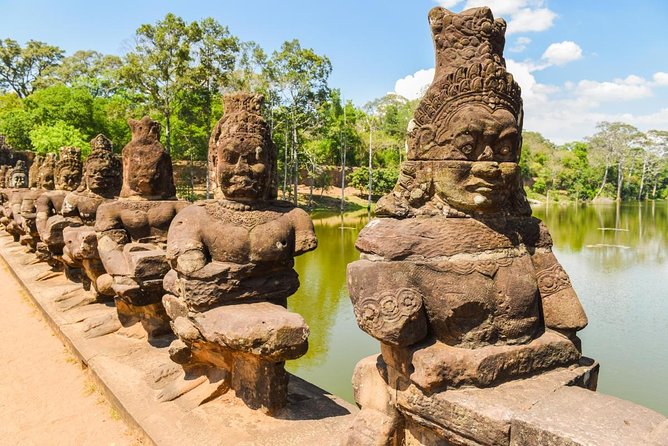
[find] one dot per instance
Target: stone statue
(227, 294)
(8, 176)
(33, 172)
(47, 172)
(132, 231)
(48, 202)
(3, 174)
(456, 279)
(17, 183)
(102, 178)
(18, 177)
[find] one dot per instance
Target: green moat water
(617, 258)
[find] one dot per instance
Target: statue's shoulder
(285, 207)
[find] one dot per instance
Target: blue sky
(578, 61)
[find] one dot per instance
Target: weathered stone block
(572, 416)
(262, 328)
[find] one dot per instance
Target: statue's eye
(505, 150)
(467, 149)
(231, 157)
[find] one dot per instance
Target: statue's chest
(251, 236)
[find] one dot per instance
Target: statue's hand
(190, 261)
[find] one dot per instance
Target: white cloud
(562, 53)
(527, 20)
(412, 86)
(500, 8)
(633, 87)
(520, 45)
(521, 15)
(448, 3)
(660, 78)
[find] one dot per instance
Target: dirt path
(45, 396)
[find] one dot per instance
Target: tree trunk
(656, 180)
(295, 161)
(642, 179)
(620, 181)
(192, 180)
(310, 196)
(370, 167)
(605, 179)
(168, 128)
(343, 163)
(285, 162)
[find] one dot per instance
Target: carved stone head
(19, 175)
(68, 169)
(33, 172)
(8, 176)
(468, 125)
(3, 175)
(47, 172)
(147, 167)
(103, 169)
(242, 151)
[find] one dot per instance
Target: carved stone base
(152, 317)
(555, 408)
(249, 343)
(439, 366)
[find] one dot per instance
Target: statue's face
(68, 178)
(243, 168)
(20, 180)
(101, 176)
(485, 170)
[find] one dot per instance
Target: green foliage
(21, 66)
(50, 138)
(15, 121)
(383, 180)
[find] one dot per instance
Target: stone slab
(573, 416)
(484, 416)
(132, 372)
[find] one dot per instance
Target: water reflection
(336, 343)
(615, 256)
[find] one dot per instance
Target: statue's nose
(242, 165)
(487, 154)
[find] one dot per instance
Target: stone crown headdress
(101, 149)
(469, 65)
(70, 157)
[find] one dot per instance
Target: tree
(50, 138)
(159, 66)
(15, 121)
(92, 70)
(655, 158)
(20, 67)
(612, 143)
(298, 78)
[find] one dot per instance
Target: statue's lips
(242, 182)
(482, 187)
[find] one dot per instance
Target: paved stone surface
(133, 372)
(46, 397)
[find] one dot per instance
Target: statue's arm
(111, 237)
(186, 252)
(305, 238)
(562, 309)
(43, 209)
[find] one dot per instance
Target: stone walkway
(45, 396)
